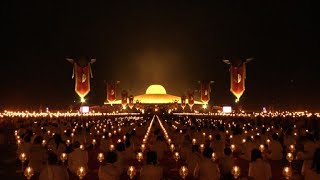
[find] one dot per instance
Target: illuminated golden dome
(156, 94)
(156, 89)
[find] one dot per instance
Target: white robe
(54, 172)
(260, 170)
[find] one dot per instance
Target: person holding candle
(77, 158)
(258, 168)
(58, 146)
(218, 145)
(248, 146)
(38, 155)
(208, 170)
(110, 171)
(53, 171)
(226, 162)
(105, 143)
(312, 171)
(193, 160)
(275, 148)
(25, 146)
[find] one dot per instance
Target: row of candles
(131, 172)
(27, 114)
(293, 114)
(183, 171)
(219, 113)
(81, 171)
(287, 171)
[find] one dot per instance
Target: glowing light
(205, 106)
(82, 100)
(156, 89)
(235, 171)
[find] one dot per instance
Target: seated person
(208, 170)
(258, 168)
(193, 160)
(53, 171)
(109, 171)
(38, 155)
(275, 148)
(312, 171)
(226, 162)
(77, 158)
(151, 170)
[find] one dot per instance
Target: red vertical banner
(205, 91)
(183, 101)
(131, 103)
(82, 79)
(124, 98)
(111, 91)
(191, 98)
(238, 76)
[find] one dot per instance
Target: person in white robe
(110, 171)
(258, 168)
(77, 158)
(53, 171)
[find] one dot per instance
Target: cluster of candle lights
(101, 128)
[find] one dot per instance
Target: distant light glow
(82, 99)
(205, 106)
(84, 109)
(156, 89)
(227, 109)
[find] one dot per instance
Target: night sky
(173, 43)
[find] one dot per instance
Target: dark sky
(174, 43)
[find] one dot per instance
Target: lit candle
(44, 142)
(23, 157)
(287, 172)
(172, 148)
(28, 172)
(100, 157)
(289, 157)
(201, 147)
(143, 147)
(68, 142)
(63, 157)
(139, 156)
(111, 148)
(18, 142)
(233, 147)
(235, 171)
(176, 156)
(243, 140)
(213, 156)
(82, 147)
(81, 172)
(292, 148)
(194, 141)
(183, 172)
(94, 142)
(268, 141)
(261, 147)
(131, 171)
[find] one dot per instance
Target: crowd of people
(209, 147)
